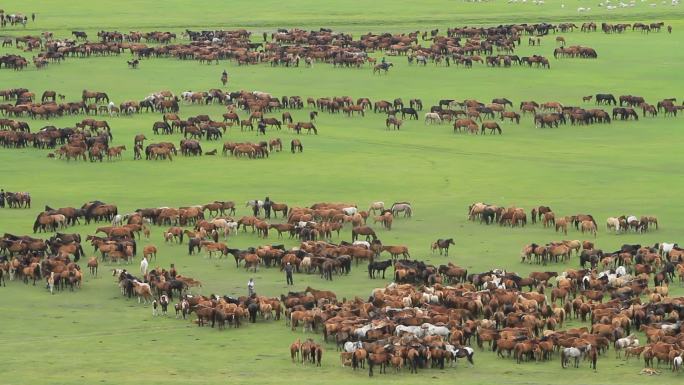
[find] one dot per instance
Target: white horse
(376, 206)
(677, 363)
(432, 117)
(351, 347)
(118, 220)
(361, 332)
(613, 223)
(361, 243)
(228, 227)
(350, 210)
(574, 353)
(665, 248)
(305, 264)
(631, 341)
(143, 266)
(110, 108)
(415, 330)
(433, 330)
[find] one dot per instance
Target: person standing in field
(2, 198)
(143, 266)
(224, 77)
(267, 208)
(33, 16)
(288, 274)
(255, 208)
(250, 287)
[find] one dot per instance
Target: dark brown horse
(296, 144)
(443, 245)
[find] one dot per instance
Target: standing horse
(443, 245)
(575, 353)
(404, 207)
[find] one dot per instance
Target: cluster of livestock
(14, 18)
(517, 217)
(16, 200)
(288, 48)
(427, 318)
(33, 259)
(432, 324)
(91, 137)
(306, 224)
(159, 285)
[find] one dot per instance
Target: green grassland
(96, 336)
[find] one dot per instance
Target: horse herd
(287, 48)
(91, 137)
(429, 317)
(517, 217)
(432, 325)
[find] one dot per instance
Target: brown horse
(491, 125)
(275, 144)
(296, 144)
(392, 121)
(510, 115)
(307, 126)
(363, 230)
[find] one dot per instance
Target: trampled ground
(94, 335)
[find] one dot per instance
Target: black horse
(410, 111)
(253, 308)
(606, 99)
(443, 245)
(378, 266)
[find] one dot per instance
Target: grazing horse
(400, 207)
(432, 117)
(296, 144)
(363, 230)
(492, 126)
(392, 121)
(376, 206)
(442, 245)
(575, 353)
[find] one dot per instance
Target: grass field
(96, 336)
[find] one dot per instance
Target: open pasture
(94, 334)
